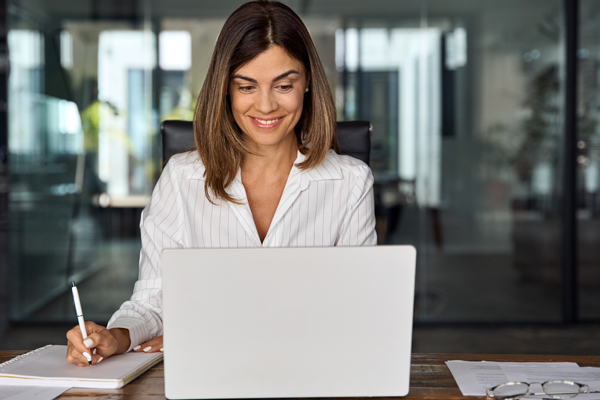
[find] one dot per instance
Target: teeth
(264, 122)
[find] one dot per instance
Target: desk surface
(429, 377)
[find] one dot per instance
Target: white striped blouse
(330, 205)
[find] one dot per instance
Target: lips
(266, 123)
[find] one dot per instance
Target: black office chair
(354, 138)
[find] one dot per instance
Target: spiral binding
(17, 358)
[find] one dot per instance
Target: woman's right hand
(100, 344)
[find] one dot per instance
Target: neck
(271, 160)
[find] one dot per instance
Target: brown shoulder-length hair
(248, 32)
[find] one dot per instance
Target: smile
(266, 123)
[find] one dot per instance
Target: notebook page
(31, 392)
(52, 363)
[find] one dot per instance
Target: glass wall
(466, 103)
(588, 160)
(46, 170)
(82, 157)
(466, 109)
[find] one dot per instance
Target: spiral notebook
(47, 366)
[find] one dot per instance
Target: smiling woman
(271, 36)
(265, 172)
(266, 105)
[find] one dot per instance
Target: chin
(266, 142)
(268, 139)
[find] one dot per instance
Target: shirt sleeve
(161, 225)
(358, 227)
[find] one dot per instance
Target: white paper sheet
(28, 392)
(475, 377)
(591, 396)
(585, 375)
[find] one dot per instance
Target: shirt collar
(197, 170)
(328, 169)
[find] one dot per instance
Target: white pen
(80, 318)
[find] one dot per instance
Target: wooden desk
(429, 377)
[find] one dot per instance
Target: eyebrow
(274, 80)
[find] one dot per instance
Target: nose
(265, 103)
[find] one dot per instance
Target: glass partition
(467, 117)
(588, 160)
(465, 99)
(83, 161)
(47, 164)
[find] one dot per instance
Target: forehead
(271, 63)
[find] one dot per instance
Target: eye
(246, 89)
(286, 88)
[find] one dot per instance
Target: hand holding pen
(90, 343)
(81, 322)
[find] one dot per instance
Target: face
(266, 97)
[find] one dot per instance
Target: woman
(265, 171)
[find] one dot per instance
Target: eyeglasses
(554, 389)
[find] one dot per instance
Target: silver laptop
(288, 322)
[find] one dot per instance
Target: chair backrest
(354, 138)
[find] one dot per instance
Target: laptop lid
(288, 322)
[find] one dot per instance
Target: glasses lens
(510, 390)
(561, 390)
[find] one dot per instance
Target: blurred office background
(467, 101)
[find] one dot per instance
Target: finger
(152, 346)
(151, 349)
(78, 352)
(96, 339)
(101, 343)
(74, 333)
(91, 327)
(96, 359)
(76, 357)
(144, 348)
(140, 348)
(79, 346)
(76, 341)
